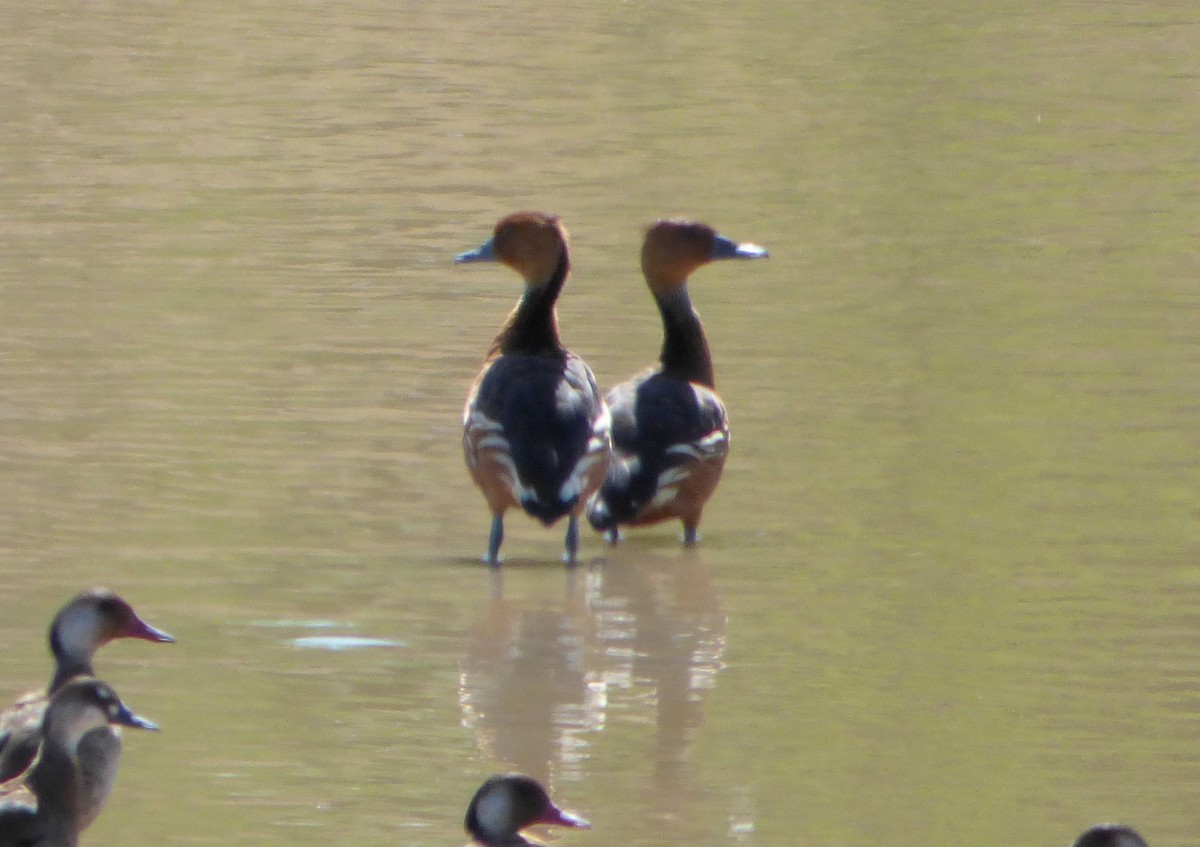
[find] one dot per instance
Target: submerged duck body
(536, 431)
(507, 803)
(670, 427)
(80, 628)
(66, 787)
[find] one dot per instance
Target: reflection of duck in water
(1109, 835)
(69, 782)
(81, 627)
(507, 803)
(670, 432)
(641, 638)
(536, 432)
(529, 687)
(662, 633)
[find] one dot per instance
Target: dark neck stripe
(533, 327)
(685, 350)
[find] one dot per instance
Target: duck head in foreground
(536, 432)
(67, 785)
(1109, 835)
(80, 628)
(87, 623)
(506, 804)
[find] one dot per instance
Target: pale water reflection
(531, 688)
(342, 642)
(635, 634)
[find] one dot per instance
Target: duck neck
(532, 327)
(514, 839)
(488, 838)
(685, 350)
(67, 664)
(96, 760)
(53, 780)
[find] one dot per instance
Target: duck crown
(1110, 835)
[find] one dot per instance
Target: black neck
(685, 350)
(532, 327)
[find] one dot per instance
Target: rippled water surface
(947, 591)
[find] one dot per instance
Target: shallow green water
(946, 591)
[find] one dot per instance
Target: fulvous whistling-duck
(536, 432)
(81, 627)
(670, 431)
(67, 785)
(507, 803)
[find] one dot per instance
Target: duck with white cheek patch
(69, 782)
(507, 803)
(84, 625)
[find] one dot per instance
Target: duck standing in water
(670, 430)
(536, 432)
(69, 782)
(506, 804)
(1109, 835)
(81, 627)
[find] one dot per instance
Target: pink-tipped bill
(138, 628)
(557, 817)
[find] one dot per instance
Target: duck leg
(495, 539)
(571, 542)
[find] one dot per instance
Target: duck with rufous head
(536, 432)
(670, 428)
